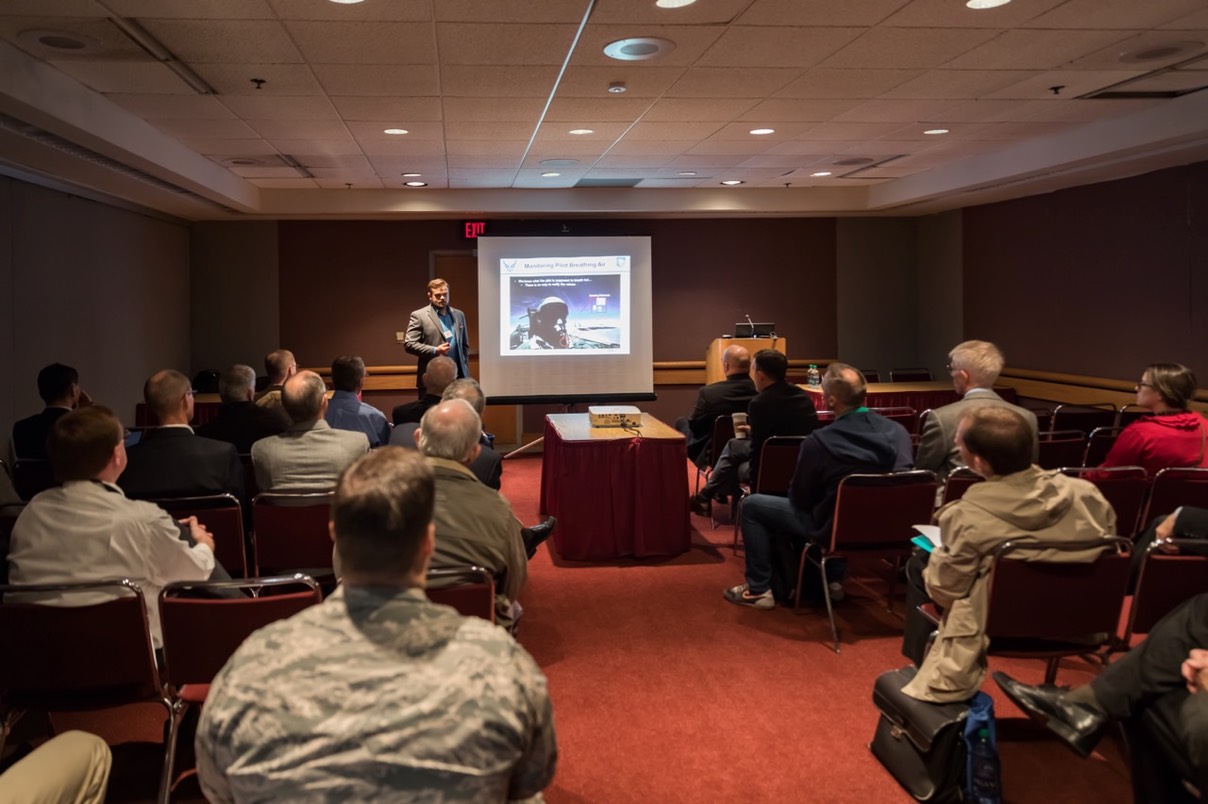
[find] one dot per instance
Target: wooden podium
(713, 371)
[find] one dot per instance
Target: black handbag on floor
(922, 744)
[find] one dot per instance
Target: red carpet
(664, 692)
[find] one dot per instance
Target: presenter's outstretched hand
(443, 349)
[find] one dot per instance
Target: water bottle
(813, 376)
(985, 784)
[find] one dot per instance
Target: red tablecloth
(918, 395)
(615, 494)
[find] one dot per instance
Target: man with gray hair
(488, 466)
(378, 694)
(474, 525)
(974, 366)
(438, 375)
(240, 421)
(310, 455)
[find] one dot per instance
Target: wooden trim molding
(1078, 389)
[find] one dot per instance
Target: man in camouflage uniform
(378, 694)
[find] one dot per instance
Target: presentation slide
(565, 317)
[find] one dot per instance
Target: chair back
(1084, 417)
(1061, 448)
(223, 517)
(289, 532)
(910, 375)
(958, 482)
(906, 416)
(777, 462)
(723, 431)
(1124, 487)
(201, 633)
(1130, 413)
(1099, 443)
(1164, 582)
(826, 417)
(31, 476)
(69, 658)
(878, 512)
(1044, 419)
(470, 590)
(870, 375)
(1057, 600)
(1174, 487)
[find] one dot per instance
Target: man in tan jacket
(1018, 502)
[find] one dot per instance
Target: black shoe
(1078, 725)
(699, 504)
(535, 535)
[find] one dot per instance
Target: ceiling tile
(949, 14)
(718, 82)
(1180, 48)
(861, 83)
(206, 129)
(641, 82)
(671, 131)
(287, 107)
(364, 42)
(340, 146)
(219, 149)
(650, 148)
(108, 41)
(1017, 131)
(192, 9)
(850, 130)
(1119, 14)
(342, 182)
(501, 81)
(393, 11)
(987, 111)
(612, 159)
(1072, 83)
(401, 110)
(607, 109)
(891, 110)
(285, 184)
(742, 131)
(797, 110)
(487, 130)
(505, 149)
(690, 43)
(716, 110)
(126, 77)
(526, 11)
(279, 79)
(1033, 50)
(958, 84)
(481, 109)
(819, 12)
(777, 47)
(51, 8)
(225, 41)
(906, 48)
(300, 129)
(477, 43)
(643, 13)
(179, 107)
(378, 79)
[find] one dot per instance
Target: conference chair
(250, 487)
(85, 657)
(825, 417)
(906, 416)
(469, 589)
(1084, 417)
(31, 476)
(1099, 443)
(958, 482)
(875, 515)
(910, 375)
(1044, 419)
(290, 534)
(1053, 609)
(223, 518)
(870, 375)
(777, 462)
(1174, 487)
(1060, 448)
(1163, 582)
(201, 633)
(1130, 413)
(1124, 487)
(721, 433)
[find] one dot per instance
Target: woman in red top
(1170, 434)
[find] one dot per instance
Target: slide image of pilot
(569, 312)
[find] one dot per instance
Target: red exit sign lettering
(475, 228)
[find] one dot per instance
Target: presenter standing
(438, 329)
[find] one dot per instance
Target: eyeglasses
(1141, 385)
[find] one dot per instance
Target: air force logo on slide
(622, 262)
(509, 265)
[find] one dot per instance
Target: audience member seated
(1170, 434)
(474, 525)
(279, 365)
(974, 366)
(170, 460)
(779, 409)
(439, 374)
(1164, 678)
(70, 768)
(1185, 522)
(378, 694)
(346, 411)
(776, 529)
(59, 387)
(310, 455)
(488, 466)
(1018, 502)
(240, 421)
(87, 530)
(722, 398)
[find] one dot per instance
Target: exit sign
(475, 228)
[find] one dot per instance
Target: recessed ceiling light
(553, 163)
(936, 131)
(980, 4)
(417, 184)
(820, 174)
(1159, 51)
(731, 182)
(687, 172)
(550, 174)
(395, 131)
(580, 131)
(61, 41)
(638, 48)
(347, 2)
(761, 131)
(673, 3)
(617, 87)
(412, 175)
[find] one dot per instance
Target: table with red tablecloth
(615, 493)
(918, 395)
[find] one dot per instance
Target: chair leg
(830, 610)
(736, 509)
(1050, 670)
(176, 713)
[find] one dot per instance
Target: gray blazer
(424, 334)
(937, 442)
(306, 457)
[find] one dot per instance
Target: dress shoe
(699, 504)
(535, 535)
(1080, 726)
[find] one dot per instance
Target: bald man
(721, 398)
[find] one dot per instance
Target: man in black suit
(438, 375)
(722, 398)
(240, 420)
(59, 387)
(170, 460)
(779, 409)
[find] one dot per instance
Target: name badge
(447, 333)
